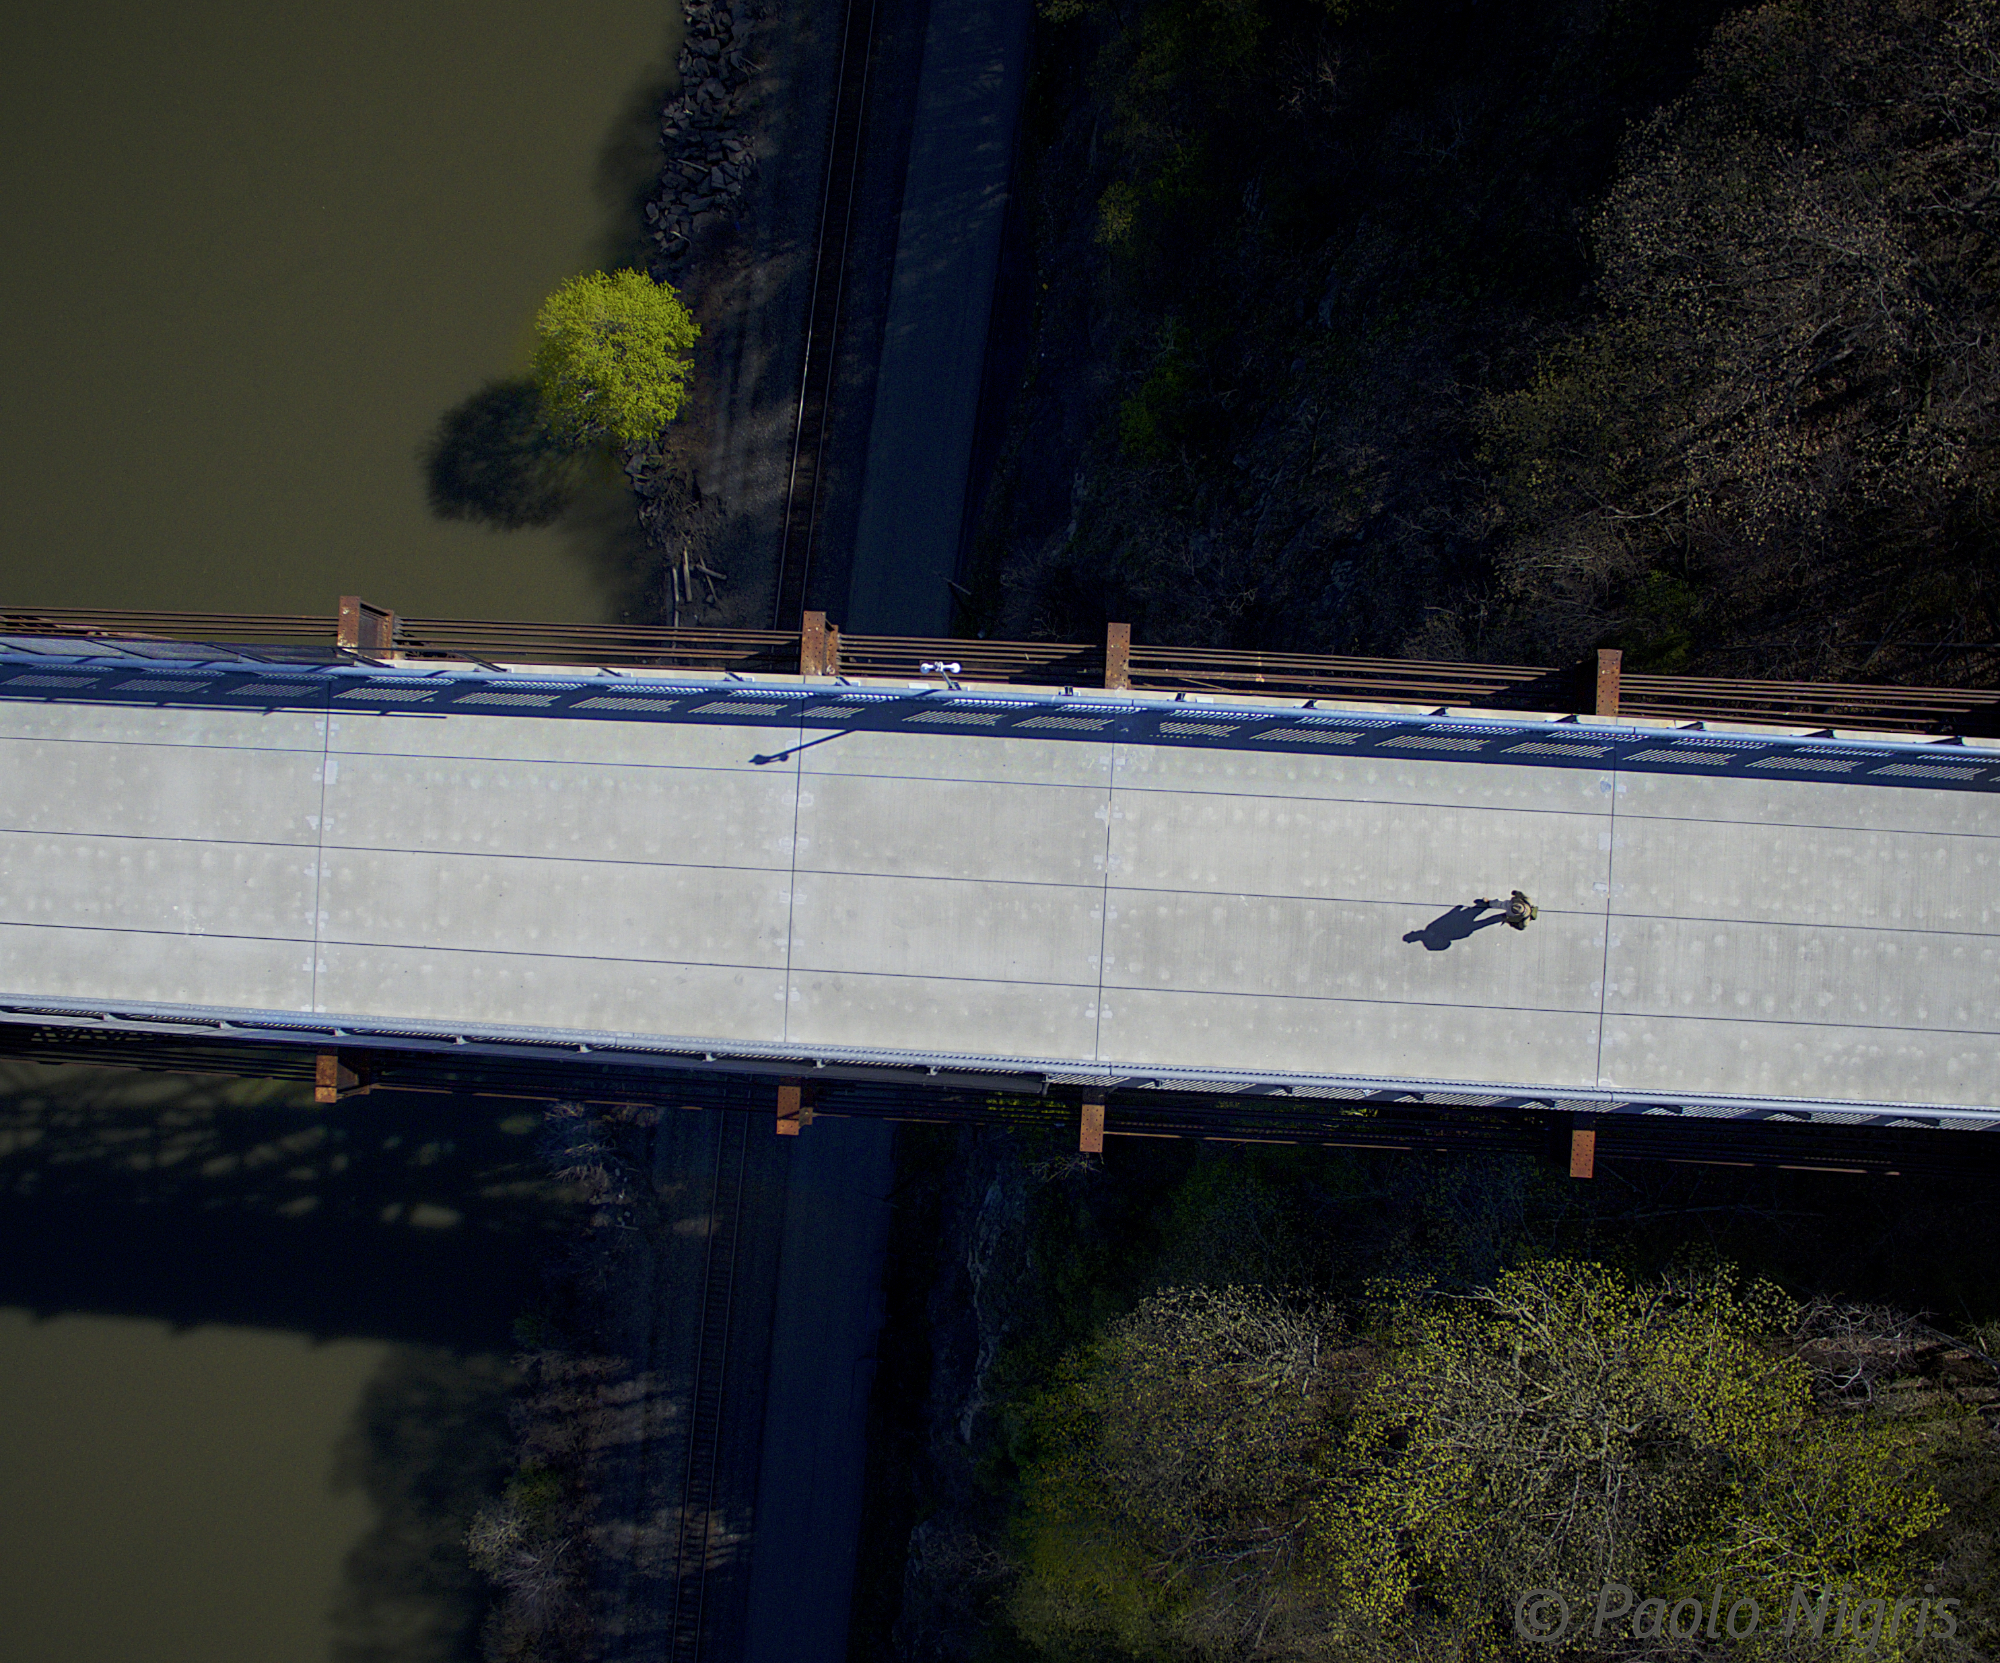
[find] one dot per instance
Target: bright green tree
(612, 364)
(1569, 1427)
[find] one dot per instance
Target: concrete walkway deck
(1087, 886)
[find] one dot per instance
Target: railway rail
(694, 1537)
(799, 533)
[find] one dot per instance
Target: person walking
(1517, 914)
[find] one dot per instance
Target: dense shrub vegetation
(1217, 1473)
(1780, 423)
(1500, 330)
(1309, 1404)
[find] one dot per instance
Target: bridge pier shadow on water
(416, 1219)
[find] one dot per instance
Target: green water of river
(253, 253)
(250, 256)
(179, 1527)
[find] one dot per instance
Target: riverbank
(731, 224)
(735, 224)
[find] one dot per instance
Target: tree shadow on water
(429, 1445)
(604, 531)
(492, 459)
(628, 172)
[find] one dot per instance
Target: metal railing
(766, 651)
(247, 628)
(1443, 1124)
(1305, 675)
(1036, 663)
(366, 631)
(1831, 704)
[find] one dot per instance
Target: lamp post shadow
(1455, 924)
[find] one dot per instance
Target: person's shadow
(1456, 925)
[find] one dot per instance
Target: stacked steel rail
(248, 628)
(1829, 704)
(747, 651)
(1141, 668)
(1035, 663)
(1305, 675)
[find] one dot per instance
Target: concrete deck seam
(557, 958)
(594, 764)
(163, 744)
(1418, 902)
(161, 837)
(164, 935)
(608, 860)
(1333, 999)
(1364, 799)
(1610, 878)
(953, 779)
(1813, 825)
(1790, 1022)
(792, 882)
(1104, 901)
(1802, 924)
(562, 860)
(319, 838)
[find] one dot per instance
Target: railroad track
(688, 1612)
(836, 223)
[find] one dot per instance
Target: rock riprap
(709, 155)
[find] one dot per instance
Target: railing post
(333, 1079)
(1609, 662)
(819, 646)
(1090, 1134)
(794, 1111)
(1118, 657)
(363, 628)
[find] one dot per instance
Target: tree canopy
(1233, 1472)
(1568, 1428)
(612, 363)
(1177, 1455)
(1784, 424)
